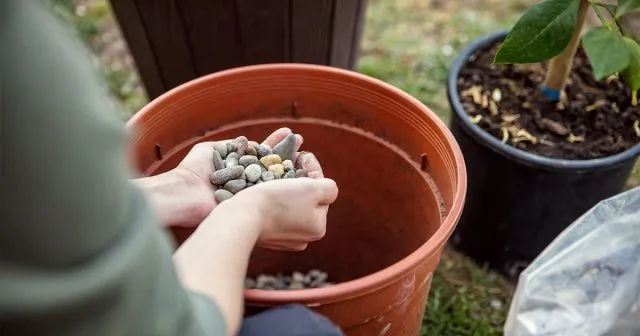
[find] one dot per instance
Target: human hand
(292, 212)
(183, 196)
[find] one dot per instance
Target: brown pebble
(221, 148)
(235, 186)
(251, 150)
(301, 173)
(241, 143)
(263, 151)
(288, 165)
(222, 195)
(296, 285)
(222, 176)
(290, 174)
(270, 160)
(218, 163)
(247, 160)
(277, 170)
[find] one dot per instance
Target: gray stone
(247, 160)
(221, 148)
(290, 174)
(222, 176)
(250, 184)
(263, 281)
(267, 176)
(301, 173)
(231, 160)
(231, 147)
(287, 164)
(263, 151)
(217, 161)
(253, 172)
(235, 186)
(286, 148)
(241, 144)
(249, 283)
(222, 195)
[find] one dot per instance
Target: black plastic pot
(518, 202)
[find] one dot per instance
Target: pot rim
(506, 150)
(381, 278)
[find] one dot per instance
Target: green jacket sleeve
(80, 251)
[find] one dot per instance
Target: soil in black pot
(593, 120)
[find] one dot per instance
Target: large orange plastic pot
(400, 172)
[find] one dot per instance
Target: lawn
(408, 43)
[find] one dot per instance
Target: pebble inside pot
(548, 119)
(400, 172)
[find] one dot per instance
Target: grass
(408, 43)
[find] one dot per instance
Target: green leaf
(606, 50)
(631, 73)
(542, 32)
(626, 6)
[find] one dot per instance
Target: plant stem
(560, 66)
(599, 15)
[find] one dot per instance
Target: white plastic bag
(587, 281)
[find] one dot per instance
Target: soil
(593, 120)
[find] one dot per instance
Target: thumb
(327, 190)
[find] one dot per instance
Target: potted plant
(401, 176)
(543, 142)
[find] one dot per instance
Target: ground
(408, 43)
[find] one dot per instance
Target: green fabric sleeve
(80, 251)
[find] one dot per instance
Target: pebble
(286, 148)
(231, 160)
(235, 186)
(221, 148)
(288, 165)
(222, 176)
(251, 150)
(263, 151)
(267, 176)
(251, 184)
(301, 173)
(241, 143)
(295, 281)
(269, 160)
(222, 195)
(231, 147)
(247, 160)
(277, 170)
(253, 172)
(290, 174)
(218, 163)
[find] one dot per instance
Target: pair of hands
(291, 212)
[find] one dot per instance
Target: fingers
(277, 136)
(310, 163)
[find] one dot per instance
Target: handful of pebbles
(239, 165)
(297, 280)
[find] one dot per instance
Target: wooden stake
(560, 66)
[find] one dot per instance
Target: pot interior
(385, 210)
